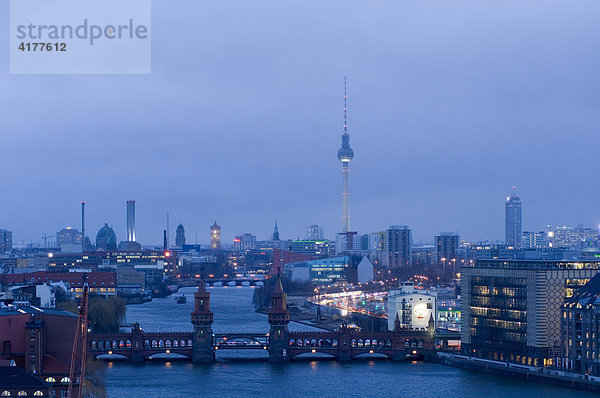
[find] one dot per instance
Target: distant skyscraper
(345, 155)
(398, 247)
(314, 232)
(131, 220)
(180, 236)
(276, 232)
(215, 236)
(512, 218)
(446, 246)
(5, 241)
(68, 236)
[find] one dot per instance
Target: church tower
(279, 317)
(202, 319)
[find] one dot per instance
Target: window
(65, 380)
(50, 379)
(22, 393)
(38, 394)
(5, 394)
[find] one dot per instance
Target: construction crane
(80, 335)
(45, 237)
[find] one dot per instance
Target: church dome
(106, 238)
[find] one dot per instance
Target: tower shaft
(345, 199)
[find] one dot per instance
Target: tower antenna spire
(345, 107)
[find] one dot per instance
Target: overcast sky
(450, 103)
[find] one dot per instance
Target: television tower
(345, 155)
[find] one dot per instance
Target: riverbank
(530, 373)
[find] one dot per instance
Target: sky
(450, 104)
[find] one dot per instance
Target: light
(370, 351)
(167, 254)
(265, 347)
(414, 352)
(110, 353)
(168, 351)
(216, 348)
(313, 351)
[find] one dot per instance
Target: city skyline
(437, 147)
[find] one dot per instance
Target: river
(229, 377)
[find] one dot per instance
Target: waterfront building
(410, 308)
(5, 241)
(446, 247)
(511, 309)
(180, 236)
(215, 237)
(40, 340)
(314, 232)
(68, 236)
(325, 271)
(512, 219)
(106, 239)
(580, 348)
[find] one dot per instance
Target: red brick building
(39, 341)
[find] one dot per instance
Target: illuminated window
(50, 379)
(5, 394)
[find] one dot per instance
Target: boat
(181, 300)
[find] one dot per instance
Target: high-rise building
(572, 237)
(276, 232)
(180, 236)
(446, 247)
(314, 232)
(345, 155)
(512, 219)
(398, 247)
(5, 241)
(131, 221)
(215, 237)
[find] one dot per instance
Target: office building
(68, 236)
(5, 241)
(512, 219)
(244, 242)
(446, 248)
(534, 240)
(314, 232)
(512, 309)
(398, 247)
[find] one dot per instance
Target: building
(313, 248)
(347, 242)
(314, 232)
(490, 251)
(16, 382)
(345, 155)
(68, 236)
(413, 309)
(5, 241)
(446, 248)
(131, 221)
(580, 338)
(579, 237)
(283, 257)
(180, 236)
(215, 237)
(512, 309)
(244, 242)
(106, 238)
(276, 232)
(398, 247)
(512, 219)
(39, 340)
(325, 271)
(534, 240)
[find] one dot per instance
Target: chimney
(131, 220)
(165, 243)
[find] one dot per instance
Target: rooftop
(15, 377)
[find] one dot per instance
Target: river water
(236, 378)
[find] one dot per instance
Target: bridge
(281, 345)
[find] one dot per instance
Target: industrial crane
(80, 335)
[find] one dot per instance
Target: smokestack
(82, 227)
(165, 242)
(131, 220)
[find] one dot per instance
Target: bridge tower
(202, 319)
(279, 317)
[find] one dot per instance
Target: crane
(45, 237)
(80, 335)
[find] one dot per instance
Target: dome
(106, 238)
